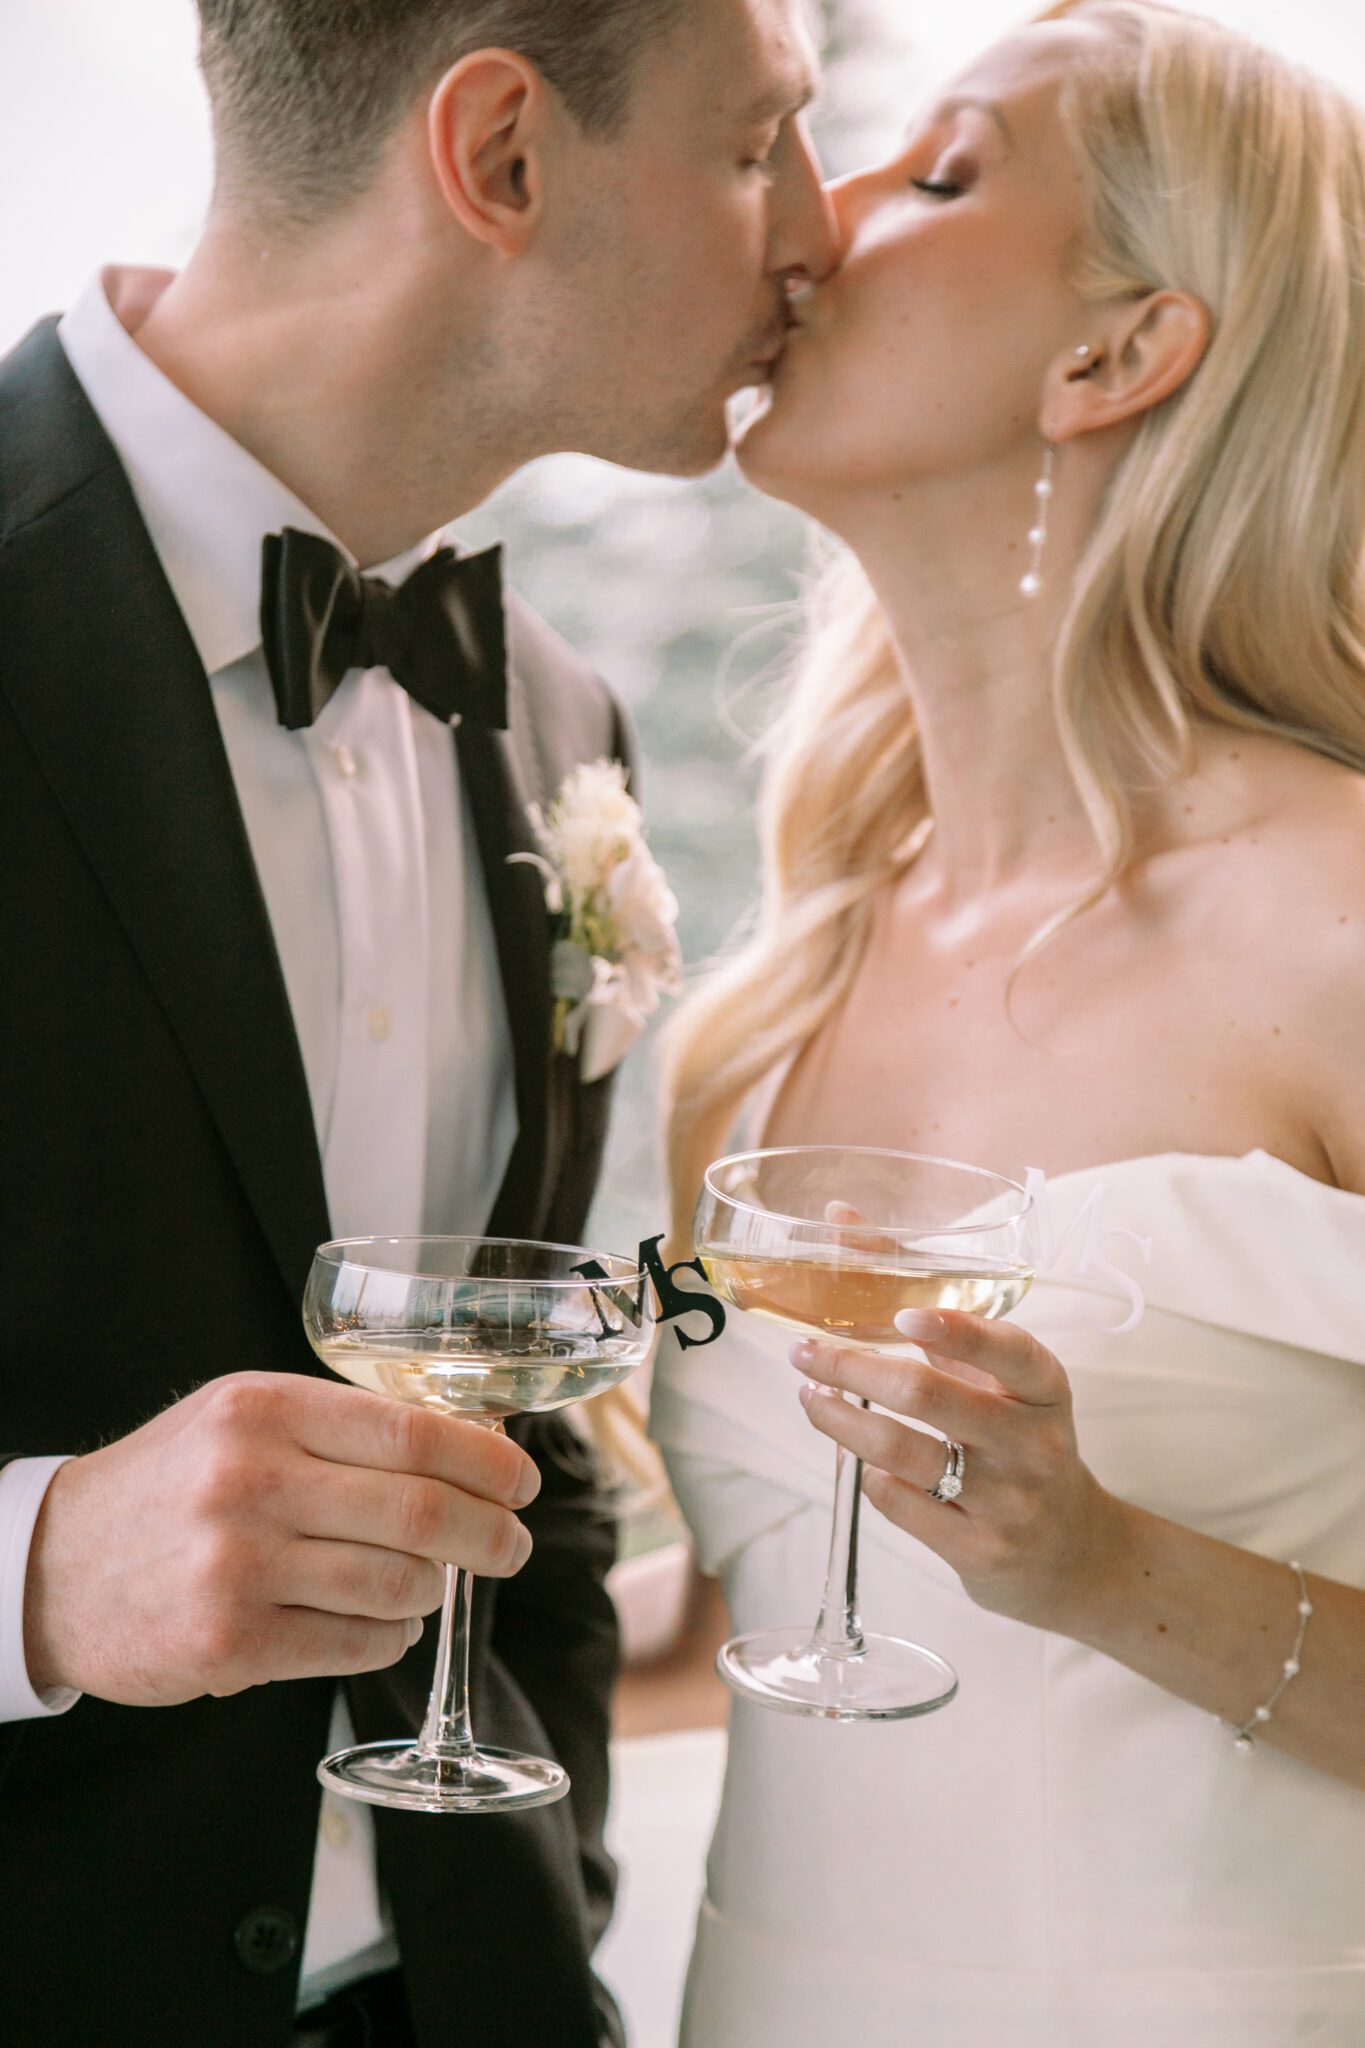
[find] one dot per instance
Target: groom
(268, 976)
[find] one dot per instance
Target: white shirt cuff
(23, 1484)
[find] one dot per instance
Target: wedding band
(954, 1471)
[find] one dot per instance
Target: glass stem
(839, 1631)
(446, 1732)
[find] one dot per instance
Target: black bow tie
(441, 634)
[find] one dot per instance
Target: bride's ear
(1141, 353)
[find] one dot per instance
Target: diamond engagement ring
(954, 1471)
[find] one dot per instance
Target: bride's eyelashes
(952, 174)
(953, 166)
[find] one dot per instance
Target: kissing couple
(1064, 868)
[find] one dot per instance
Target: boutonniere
(615, 952)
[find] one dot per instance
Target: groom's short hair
(306, 92)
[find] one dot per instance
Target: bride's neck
(946, 561)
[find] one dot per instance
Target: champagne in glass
(458, 1378)
(855, 1300)
(481, 1328)
(928, 1234)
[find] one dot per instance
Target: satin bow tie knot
(442, 633)
(377, 636)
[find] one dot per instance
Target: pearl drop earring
(1032, 583)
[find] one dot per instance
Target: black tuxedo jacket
(160, 1199)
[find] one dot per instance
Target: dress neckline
(1257, 1154)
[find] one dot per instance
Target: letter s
(680, 1301)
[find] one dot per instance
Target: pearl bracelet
(1242, 1737)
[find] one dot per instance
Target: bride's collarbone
(1111, 1069)
(1208, 1008)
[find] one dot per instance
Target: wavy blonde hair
(1224, 581)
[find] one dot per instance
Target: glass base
(887, 1680)
(488, 1781)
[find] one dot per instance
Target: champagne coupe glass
(483, 1328)
(833, 1241)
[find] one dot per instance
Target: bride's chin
(764, 447)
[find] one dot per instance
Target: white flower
(617, 951)
(644, 907)
(592, 824)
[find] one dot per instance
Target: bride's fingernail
(805, 1394)
(802, 1354)
(921, 1325)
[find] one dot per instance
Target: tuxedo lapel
(105, 681)
(498, 797)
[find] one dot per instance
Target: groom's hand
(267, 1526)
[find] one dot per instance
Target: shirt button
(266, 1940)
(347, 765)
(336, 1829)
(378, 1021)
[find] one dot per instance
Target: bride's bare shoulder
(1312, 831)
(1306, 869)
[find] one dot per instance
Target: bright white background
(104, 137)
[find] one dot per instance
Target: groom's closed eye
(760, 155)
(772, 117)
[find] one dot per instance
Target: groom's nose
(805, 233)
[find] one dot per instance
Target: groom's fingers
(360, 1579)
(304, 1643)
(410, 1515)
(351, 1426)
(159, 1566)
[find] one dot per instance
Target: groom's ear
(486, 129)
(1143, 351)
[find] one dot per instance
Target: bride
(1064, 831)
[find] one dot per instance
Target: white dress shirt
(370, 874)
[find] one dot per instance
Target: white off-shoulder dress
(1066, 1856)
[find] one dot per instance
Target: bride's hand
(1033, 1534)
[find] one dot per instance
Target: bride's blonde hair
(1224, 581)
